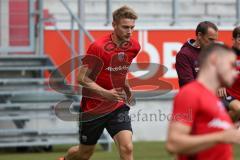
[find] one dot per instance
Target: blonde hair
(124, 12)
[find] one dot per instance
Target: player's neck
(115, 39)
(196, 43)
(209, 81)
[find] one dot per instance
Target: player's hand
(222, 92)
(231, 136)
(115, 94)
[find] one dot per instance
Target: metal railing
(175, 18)
(74, 19)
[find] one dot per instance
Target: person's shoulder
(98, 44)
(100, 41)
(135, 44)
(191, 90)
(187, 49)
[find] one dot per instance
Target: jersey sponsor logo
(118, 68)
(218, 123)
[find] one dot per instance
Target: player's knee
(73, 150)
(235, 106)
(126, 148)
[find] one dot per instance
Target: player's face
(236, 42)
(210, 37)
(124, 28)
(226, 68)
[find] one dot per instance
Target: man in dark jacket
(187, 64)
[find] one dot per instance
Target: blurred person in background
(187, 65)
(231, 96)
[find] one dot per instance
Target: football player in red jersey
(208, 132)
(231, 96)
(105, 91)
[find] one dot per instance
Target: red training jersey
(205, 114)
(235, 89)
(109, 65)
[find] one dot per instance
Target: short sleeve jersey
(200, 109)
(109, 66)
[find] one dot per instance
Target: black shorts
(114, 122)
(227, 100)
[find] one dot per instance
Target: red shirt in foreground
(109, 65)
(200, 109)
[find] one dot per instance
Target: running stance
(105, 91)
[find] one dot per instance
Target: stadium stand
(26, 100)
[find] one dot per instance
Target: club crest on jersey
(196, 66)
(121, 56)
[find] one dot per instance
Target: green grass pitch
(142, 151)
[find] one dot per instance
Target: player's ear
(199, 35)
(114, 24)
(233, 40)
(213, 58)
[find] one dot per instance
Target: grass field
(142, 151)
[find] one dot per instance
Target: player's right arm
(92, 65)
(184, 69)
(85, 81)
(181, 141)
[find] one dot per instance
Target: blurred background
(40, 45)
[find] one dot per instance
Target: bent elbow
(171, 147)
(80, 82)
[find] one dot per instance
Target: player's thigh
(123, 137)
(91, 131)
(123, 141)
(235, 105)
(118, 121)
(119, 127)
